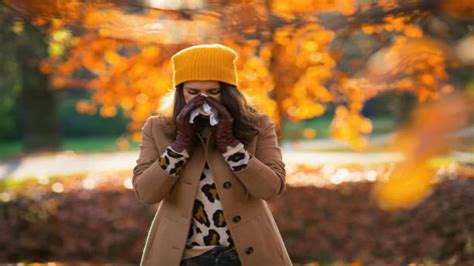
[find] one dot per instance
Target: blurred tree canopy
(25, 89)
(296, 57)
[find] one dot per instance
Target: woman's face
(209, 87)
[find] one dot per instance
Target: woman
(211, 181)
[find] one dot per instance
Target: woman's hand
(222, 131)
(186, 132)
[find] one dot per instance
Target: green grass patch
(96, 144)
(80, 145)
(381, 124)
(10, 148)
(108, 144)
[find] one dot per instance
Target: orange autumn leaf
(108, 111)
(309, 133)
(419, 141)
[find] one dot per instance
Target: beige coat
(253, 229)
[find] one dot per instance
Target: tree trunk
(36, 103)
(402, 105)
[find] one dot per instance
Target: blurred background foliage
(352, 59)
(84, 76)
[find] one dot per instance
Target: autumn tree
(289, 64)
(25, 90)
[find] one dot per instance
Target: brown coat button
(236, 218)
(249, 250)
(227, 184)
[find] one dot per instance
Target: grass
(9, 149)
(80, 145)
(108, 144)
(94, 144)
(382, 124)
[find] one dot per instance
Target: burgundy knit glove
(222, 130)
(186, 132)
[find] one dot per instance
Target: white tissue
(205, 110)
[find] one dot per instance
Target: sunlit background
(373, 102)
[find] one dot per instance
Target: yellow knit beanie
(205, 62)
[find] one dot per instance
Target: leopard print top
(208, 227)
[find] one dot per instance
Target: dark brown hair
(243, 113)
